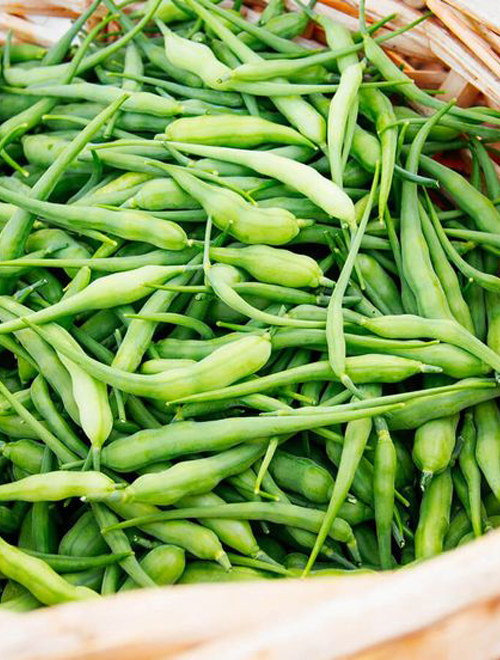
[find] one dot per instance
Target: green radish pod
(106, 292)
(37, 576)
(434, 517)
(232, 131)
(274, 266)
(434, 445)
(164, 564)
(129, 224)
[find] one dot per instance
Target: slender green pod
(190, 477)
(91, 395)
(229, 363)
(446, 274)
(379, 285)
(235, 533)
(303, 178)
(470, 470)
(55, 486)
(185, 438)
(143, 102)
(426, 408)
(468, 198)
(118, 543)
(434, 518)
(487, 419)
(417, 267)
(195, 539)
(38, 577)
(384, 481)
(356, 437)
(409, 326)
(284, 514)
(40, 395)
(335, 338)
(362, 369)
(273, 266)
(108, 291)
(130, 224)
(232, 131)
(343, 108)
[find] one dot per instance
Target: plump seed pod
(125, 223)
(83, 539)
(37, 576)
(164, 564)
(302, 475)
(230, 212)
(434, 444)
(230, 363)
(190, 477)
(54, 486)
(160, 194)
(232, 131)
(106, 292)
(273, 266)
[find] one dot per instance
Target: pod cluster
(249, 305)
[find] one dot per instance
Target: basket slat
(446, 607)
(430, 611)
(25, 30)
(456, 23)
(486, 12)
(70, 8)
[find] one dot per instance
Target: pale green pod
(161, 194)
(91, 396)
(232, 131)
(271, 265)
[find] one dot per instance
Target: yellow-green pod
(56, 486)
(159, 365)
(160, 194)
(230, 212)
(271, 265)
(167, 11)
(196, 58)
(206, 571)
(116, 191)
(302, 475)
(434, 445)
(164, 564)
(232, 131)
(434, 518)
(226, 365)
(91, 396)
(37, 576)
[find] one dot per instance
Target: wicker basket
(448, 607)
